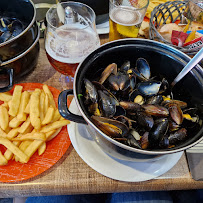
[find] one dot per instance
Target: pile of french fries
(27, 121)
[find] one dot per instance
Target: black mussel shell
(131, 141)
(107, 103)
(16, 27)
(177, 137)
(142, 70)
(145, 120)
(149, 88)
(91, 91)
(158, 131)
(110, 127)
(154, 99)
(125, 67)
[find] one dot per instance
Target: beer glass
(71, 35)
(126, 17)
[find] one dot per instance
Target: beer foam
(125, 16)
(71, 45)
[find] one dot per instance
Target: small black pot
(24, 11)
(15, 59)
(163, 59)
(100, 7)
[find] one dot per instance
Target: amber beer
(68, 46)
(124, 22)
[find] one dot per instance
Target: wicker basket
(165, 11)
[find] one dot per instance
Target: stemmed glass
(71, 35)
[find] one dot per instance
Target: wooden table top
(71, 175)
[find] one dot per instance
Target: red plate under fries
(56, 148)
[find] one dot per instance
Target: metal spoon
(192, 63)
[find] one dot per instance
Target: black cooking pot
(165, 61)
(100, 7)
(15, 58)
(24, 11)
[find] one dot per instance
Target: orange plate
(56, 148)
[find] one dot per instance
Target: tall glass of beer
(126, 17)
(71, 35)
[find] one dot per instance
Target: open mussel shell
(111, 68)
(136, 97)
(132, 142)
(125, 67)
(120, 81)
(5, 36)
(176, 113)
(149, 88)
(91, 91)
(16, 28)
(145, 120)
(110, 127)
(4, 22)
(142, 70)
(107, 103)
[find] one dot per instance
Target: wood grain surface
(71, 175)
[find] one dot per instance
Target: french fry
(23, 103)
(5, 96)
(13, 133)
(23, 146)
(42, 148)
(4, 117)
(24, 126)
(2, 133)
(51, 98)
(15, 101)
(55, 125)
(8, 129)
(56, 116)
(5, 104)
(30, 136)
(46, 103)
(14, 123)
(32, 148)
(49, 116)
(8, 154)
(41, 107)
(3, 160)
(27, 108)
(52, 134)
(14, 149)
(34, 110)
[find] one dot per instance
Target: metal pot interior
(164, 60)
(22, 10)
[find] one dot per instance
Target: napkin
(195, 161)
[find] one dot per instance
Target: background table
(71, 175)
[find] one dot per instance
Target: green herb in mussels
(79, 96)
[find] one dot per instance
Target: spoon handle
(192, 63)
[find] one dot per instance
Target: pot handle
(63, 108)
(10, 73)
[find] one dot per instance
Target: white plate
(116, 169)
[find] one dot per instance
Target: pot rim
(24, 31)
(142, 151)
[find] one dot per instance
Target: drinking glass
(126, 17)
(71, 35)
